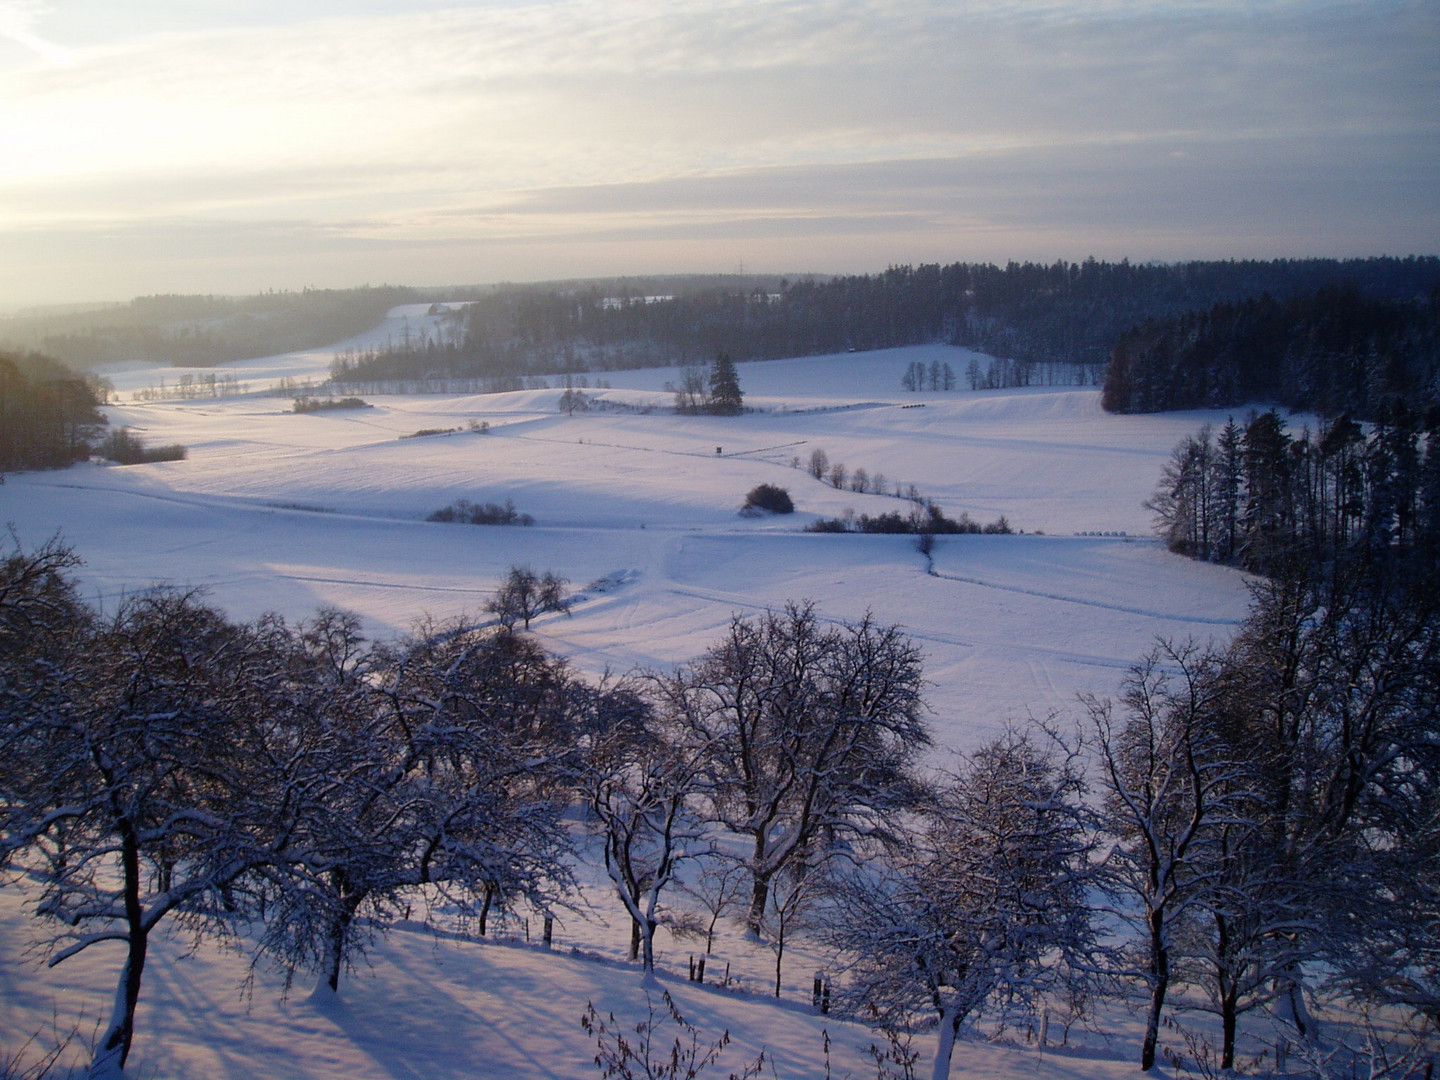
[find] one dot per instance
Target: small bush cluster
(769, 497)
(468, 513)
(126, 448)
(480, 426)
(310, 405)
(930, 523)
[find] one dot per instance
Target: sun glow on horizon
(245, 143)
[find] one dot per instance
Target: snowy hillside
(638, 507)
(279, 511)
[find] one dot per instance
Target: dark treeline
(203, 330)
(1309, 743)
(1258, 497)
(1276, 804)
(48, 414)
(928, 521)
(1331, 351)
(1026, 312)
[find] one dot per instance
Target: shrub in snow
(310, 405)
(769, 497)
(125, 448)
(468, 513)
(646, 1055)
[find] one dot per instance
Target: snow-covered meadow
(638, 507)
(278, 511)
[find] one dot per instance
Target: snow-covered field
(277, 511)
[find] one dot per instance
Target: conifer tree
(725, 395)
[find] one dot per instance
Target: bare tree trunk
(339, 931)
(949, 1025)
(1291, 997)
(485, 907)
(647, 941)
(1159, 985)
(779, 957)
(759, 898)
(114, 1048)
(336, 957)
(1227, 993)
(1229, 1021)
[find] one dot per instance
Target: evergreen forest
(200, 331)
(1333, 351)
(1028, 313)
(48, 414)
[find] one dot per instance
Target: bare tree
(819, 463)
(524, 596)
(720, 883)
(639, 785)
(572, 399)
(814, 732)
(794, 894)
(444, 769)
(138, 779)
(1334, 687)
(692, 396)
(1183, 500)
(988, 906)
(1275, 803)
(1169, 782)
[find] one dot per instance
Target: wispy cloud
(506, 122)
(18, 23)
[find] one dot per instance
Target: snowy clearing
(278, 511)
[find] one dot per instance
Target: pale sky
(222, 146)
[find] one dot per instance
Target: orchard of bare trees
(1254, 826)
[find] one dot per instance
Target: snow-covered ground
(432, 1008)
(276, 511)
